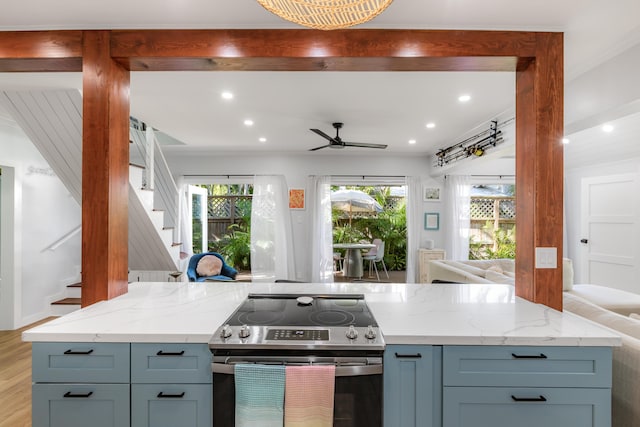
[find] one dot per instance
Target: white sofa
(502, 271)
(474, 271)
(625, 410)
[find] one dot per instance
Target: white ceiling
(388, 108)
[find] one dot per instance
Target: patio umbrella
(354, 201)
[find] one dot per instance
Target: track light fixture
(476, 145)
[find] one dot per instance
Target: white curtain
(321, 229)
(457, 221)
(271, 236)
(185, 229)
(414, 226)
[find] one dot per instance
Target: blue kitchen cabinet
(500, 386)
(77, 383)
(79, 405)
(526, 407)
(412, 386)
(171, 405)
(171, 385)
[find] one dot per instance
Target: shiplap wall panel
(42, 123)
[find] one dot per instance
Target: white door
(199, 218)
(609, 231)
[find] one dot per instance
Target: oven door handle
(341, 371)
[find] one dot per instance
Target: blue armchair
(227, 273)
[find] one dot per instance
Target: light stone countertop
(447, 314)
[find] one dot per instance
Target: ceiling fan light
(326, 14)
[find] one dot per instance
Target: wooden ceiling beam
(40, 51)
(315, 50)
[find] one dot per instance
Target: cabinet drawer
(527, 366)
(526, 407)
(80, 362)
(170, 405)
(170, 363)
(79, 405)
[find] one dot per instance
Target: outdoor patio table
(353, 257)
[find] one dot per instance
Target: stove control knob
(352, 334)
(226, 331)
(370, 334)
(244, 331)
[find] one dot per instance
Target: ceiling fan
(337, 142)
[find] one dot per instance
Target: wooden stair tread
(68, 301)
(75, 285)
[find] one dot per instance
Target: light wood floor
(15, 378)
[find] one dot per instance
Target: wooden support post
(539, 166)
(105, 171)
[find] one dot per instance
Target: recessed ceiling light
(464, 98)
(248, 122)
(412, 141)
(262, 139)
(566, 140)
(607, 128)
(226, 95)
(431, 125)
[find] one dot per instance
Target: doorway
(7, 254)
(609, 231)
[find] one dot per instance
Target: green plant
(235, 246)
(504, 243)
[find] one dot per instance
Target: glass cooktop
(303, 310)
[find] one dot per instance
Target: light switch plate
(546, 257)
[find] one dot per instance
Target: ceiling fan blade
(322, 146)
(359, 144)
(324, 135)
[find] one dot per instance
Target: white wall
(573, 202)
(297, 169)
(604, 93)
(45, 212)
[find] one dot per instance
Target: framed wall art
(431, 194)
(296, 198)
(431, 221)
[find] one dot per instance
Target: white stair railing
(146, 152)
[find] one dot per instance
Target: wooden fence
(499, 211)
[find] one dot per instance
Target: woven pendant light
(326, 14)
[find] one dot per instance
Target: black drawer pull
(529, 399)
(78, 352)
(518, 356)
(69, 394)
(409, 356)
(161, 395)
(168, 353)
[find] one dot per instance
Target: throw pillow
(209, 265)
(567, 274)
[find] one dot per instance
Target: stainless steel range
(290, 329)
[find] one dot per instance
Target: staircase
(53, 122)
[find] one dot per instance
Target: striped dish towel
(259, 395)
(309, 395)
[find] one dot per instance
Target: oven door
(358, 388)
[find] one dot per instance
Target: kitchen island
(454, 353)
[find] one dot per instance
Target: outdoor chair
(338, 261)
(374, 256)
(226, 273)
